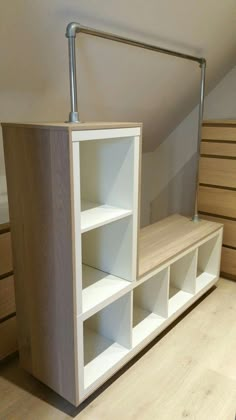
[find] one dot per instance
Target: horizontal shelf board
(177, 298)
(101, 134)
(94, 215)
(99, 286)
(101, 355)
(145, 323)
(203, 279)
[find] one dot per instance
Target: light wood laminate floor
(190, 373)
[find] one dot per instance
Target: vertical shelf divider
(76, 226)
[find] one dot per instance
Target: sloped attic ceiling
(117, 82)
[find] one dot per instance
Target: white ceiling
(117, 82)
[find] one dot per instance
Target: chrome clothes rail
(74, 28)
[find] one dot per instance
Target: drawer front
(8, 340)
(219, 133)
(218, 149)
(228, 261)
(217, 201)
(6, 265)
(7, 297)
(220, 172)
(229, 235)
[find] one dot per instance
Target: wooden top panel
(160, 242)
(75, 127)
(219, 122)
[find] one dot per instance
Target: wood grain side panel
(219, 133)
(38, 179)
(217, 201)
(218, 149)
(8, 337)
(229, 235)
(6, 264)
(228, 261)
(220, 172)
(7, 297)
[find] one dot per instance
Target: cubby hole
(150, 306)
(182, 281)
(107, 339)
(108, 262)
(208, 262)
(106, 181)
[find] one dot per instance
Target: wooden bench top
(161, 241)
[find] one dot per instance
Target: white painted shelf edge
(94, 215)
(98, 287)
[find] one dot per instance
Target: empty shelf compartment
(109, 248)
(150, 306)
(182, 281)
(107, 339)
(208, 262)
(107, 175)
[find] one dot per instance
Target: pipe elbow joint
(72, 29)
(203, 62)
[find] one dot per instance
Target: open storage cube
(108, 263)
(150, 305)
(208, 262)
(107, 339)
(182, 281)
(107, 180)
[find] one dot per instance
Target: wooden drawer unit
(220, 172)
(7, 297)
(5, 253)
(228, 261)
(217, 185)
(8, 341)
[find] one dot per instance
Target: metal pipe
(200, 120)
(134, 43)
(73, 115)
(73, 28)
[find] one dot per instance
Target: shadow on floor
(11, 371)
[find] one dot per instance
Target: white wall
(116, 82)
(168, 182)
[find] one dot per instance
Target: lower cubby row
(117, 329)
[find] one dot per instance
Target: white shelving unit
(149, 305)
(91, 299)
